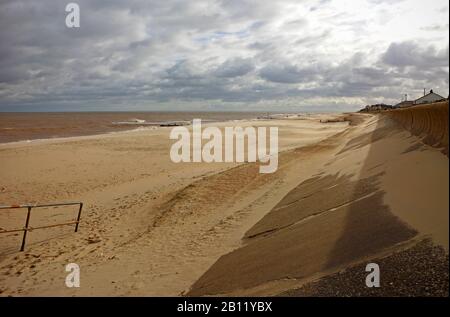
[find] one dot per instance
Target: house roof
(404, 102)
(431, 93)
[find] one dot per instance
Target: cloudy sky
(280, 55)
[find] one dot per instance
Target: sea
(22, 126)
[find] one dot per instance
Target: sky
(221, 55)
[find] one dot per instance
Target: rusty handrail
(27, 228)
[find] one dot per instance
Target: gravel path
(421, 270)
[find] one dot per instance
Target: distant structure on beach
(429, 98)
(426, 98)
(377, 107)
(404, 103)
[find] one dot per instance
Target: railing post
(25, 230)
(27, 221)
(78, 218)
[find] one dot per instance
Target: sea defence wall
(380, 192)
(430, 122)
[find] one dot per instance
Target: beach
(350, 189)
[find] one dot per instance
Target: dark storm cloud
(415, 54)
(289, 74)
(235, 68)
(148, 53)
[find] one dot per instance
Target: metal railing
(27, 228)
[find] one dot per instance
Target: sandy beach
(224, 156)
(350, 189)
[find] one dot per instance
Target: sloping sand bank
(347, 192)
(378, 196)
